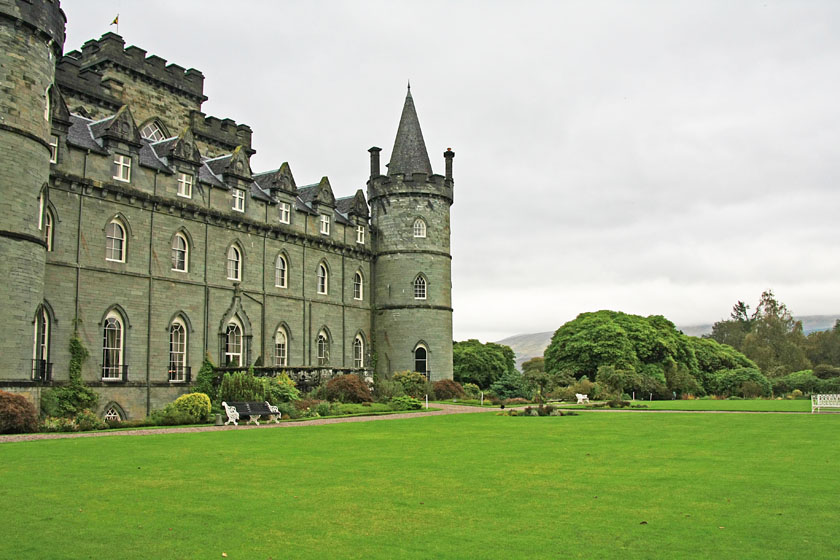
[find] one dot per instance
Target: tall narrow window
(358, 352)
(325, 224)
(40, 352)
(234, 263)
(48, 229)
(233, 344)
(53, 149)
(323, 279)
(280, 272)
(360, 234)
(421, 361)
(180, 252)
(280, 348)
(239, 200)
(323, 349)
(122, 168)
(419, 288)
(112, 347)
(419, 228)
(115, 241)
(185, 184)
(177, 351)
(358, 287)
(285, 212)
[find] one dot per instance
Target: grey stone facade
(150, 237)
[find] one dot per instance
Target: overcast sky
(650, 157)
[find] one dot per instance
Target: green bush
(825, 371)
(17, 415)
(205, 381)
(323, 409)
(86, 421)
(728, 382)
(281, 389)
(406, 402)
(472, 391)
(448, 389)
(195, 406)
(348, 388)
(511, 385)
(413, 383)
(288, 410)
(70, 399)
(386, 389)
(241, 386)
(170, 416)
(58, 424)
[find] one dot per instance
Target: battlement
(45, 16)
(110, 49)
(221, 131)
(414, 184)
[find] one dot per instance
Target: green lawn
(623, 485)
(749, 405)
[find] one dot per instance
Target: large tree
(482, 364)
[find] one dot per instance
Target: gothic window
(53, 149)
(358, 352)
(419, 287)
(419, 228)
(115, 245)
(281, 348)
(152, 132)
(234, 263)
(112, 415)
(358, 286)
(180, 252)
(185, 184)
(122, 168)
(177, 350)
(323, 279)
(323, 349)
(233, 344)
(325, 224)
(40, 353)
(112, 347)
(239, 200)
(421, 360)
(280, 272)
(285, 212)
(48, 228)
(360, 234)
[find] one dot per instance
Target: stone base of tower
(407, 331)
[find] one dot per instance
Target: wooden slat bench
(824, 401)
(253, 410)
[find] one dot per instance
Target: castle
(134, 221)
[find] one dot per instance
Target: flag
(116, 20)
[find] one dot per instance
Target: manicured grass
(621, 485)
(746, 405)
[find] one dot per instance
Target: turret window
(419, 228)
(122, 168)
(419, 288)
(48, 229)
(421, 360)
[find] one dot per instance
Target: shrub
(281, 389)
(86, 421)
(511, 385)
(406, 402)
(448, 389)
(74, 397)
(825, 371)
(323, 409)
(472, 391)
(288, 410)
(60, 424)
(17, 415)
(348, 388)
(414, 384)
(170, 416)
(729, 381)
(386, 389)
(241, 386)
(205, 381)
(195, 406)
(516, 401)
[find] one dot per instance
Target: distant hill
(527, 346)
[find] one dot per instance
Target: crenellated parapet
(416, 184)
(224, 134)
(44, 17)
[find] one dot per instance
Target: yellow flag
(116, 20)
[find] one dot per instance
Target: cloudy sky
(650, 157)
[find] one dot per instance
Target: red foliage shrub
(304, 404)
(17, 415)
(446, 389)
(348, 389)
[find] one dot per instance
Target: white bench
(582, 398)
(824, 401)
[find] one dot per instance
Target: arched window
(115, 245)
(323, 349)
(280, 348)
(421, 360)
(358, 352)
(358, 286)
(323, 279)
(112, 414)
(233, 344)
(280, 270)
(48, 228)
(419, 228)
(177, 350)
(113, 345)
(234, 263)
(152, 131)
(419, 287)
(180, 252)
(40, 352)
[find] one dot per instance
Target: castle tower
(31, 40)
(412, 273)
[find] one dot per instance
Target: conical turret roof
(409, 154)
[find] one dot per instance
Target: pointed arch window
(113, 346)
(41, 368)
(419, 228)
(280, 272)
(323, 279)
(234, 263)
(112, 414)
(233, 344)
(421, 360)
(115, 242)
(49, 220)
(419, 287)
(358, 286)
(281, 348)
(177, 350)
(358, 352)
(180, 252)
(323, 346)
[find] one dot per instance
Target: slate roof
(149, 158)
(79, 134)
(409, 154)
(206, 175)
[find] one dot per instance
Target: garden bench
(582, 398)
(824, 401)
(253, 410)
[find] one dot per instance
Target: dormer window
(152, 132)
(285, 212)
(185, 184)
(360, 234)
(239, 200)
(122, 168)
(325, 224)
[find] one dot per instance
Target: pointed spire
(409, 154)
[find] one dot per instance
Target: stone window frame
(153, 131)
(281, 273)
(233, 326)
(421, 345)
(285, 213)
(359, 351)
(358, 286)
(324, 224)
(42, 333)
(53, 148)
(322, 347)
(113, 351)
(238, 200)
(182, 236)
(180, 366)
(110, 246)
(360, 234)
(323, 278)
(114, 412)
(121, 167)
(236, 249)
(281, 349)
(421, 287)
(185, 184)
(49, 228)
(420, 228)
